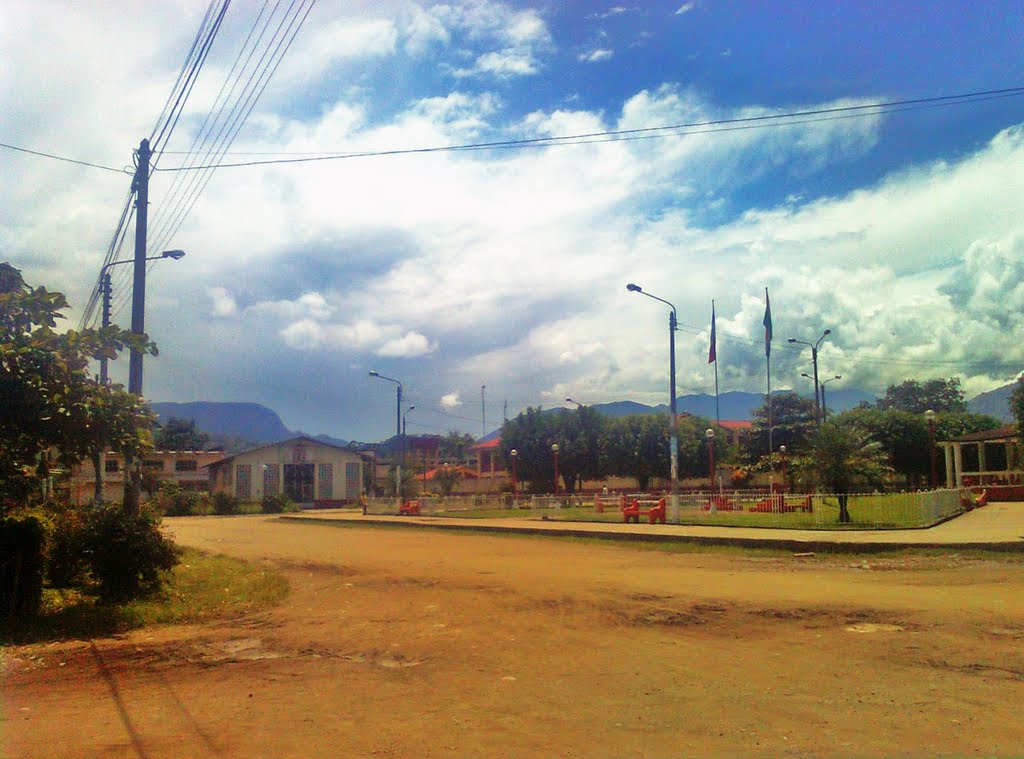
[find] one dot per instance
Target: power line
(62, 158)
(671, 130)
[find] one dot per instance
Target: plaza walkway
(997, 526)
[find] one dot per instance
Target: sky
(901, 230)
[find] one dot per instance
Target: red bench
(633, 512)
(409, 509)
(721, 503)
(776, 504)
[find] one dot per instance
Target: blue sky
(902, 232)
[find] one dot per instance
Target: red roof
(494, 443)
(738, 424)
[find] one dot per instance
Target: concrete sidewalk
(998, 526)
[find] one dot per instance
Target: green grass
(867, 512)
(203, 586)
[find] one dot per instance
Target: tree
(454, 447)
(180, 435)
(531, 433)
(49, 401)
(793, 423)
(1017, 404)
(579, 434)
(839, 456)
(638, 446)
(915, 397)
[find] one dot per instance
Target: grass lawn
(202, 586)
(882, 511)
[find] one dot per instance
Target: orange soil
(422, 643)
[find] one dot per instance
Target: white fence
(741, 508)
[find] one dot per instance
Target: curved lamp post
(673, 434)
(105, 290)
(398, 424)
(554, 452)
(814, 360)
(824, 406)
(578, 404)
(929, 416)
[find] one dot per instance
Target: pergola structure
(984, 458)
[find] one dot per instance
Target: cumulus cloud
(600, 54)
(223, 302)
(685, 8)
(450, 401)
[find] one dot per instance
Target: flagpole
(714, 349)
(768, 361)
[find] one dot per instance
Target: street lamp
(554, 452)
(782, 451)
(515, 455)
(929, 416)
(814, 360)
(709, 435)
(824, 406)
(578, 404)
(398, 423)
(673, 433)
(105, 290)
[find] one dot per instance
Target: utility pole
(483, 411)
(132, 473)
(139, 281)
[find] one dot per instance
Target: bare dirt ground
(421, 643)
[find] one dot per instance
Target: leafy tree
(180, 435)
(1017, 403)
(839, 456)
(579, 436)
(48, 398)
(638, 446)
(455, 446)
(792, 425)
(938, 395)
(531, 433)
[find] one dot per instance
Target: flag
(767, 325)
(712, 354)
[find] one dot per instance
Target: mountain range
(253, 424)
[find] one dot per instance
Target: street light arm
(378, 375)
(637, 289)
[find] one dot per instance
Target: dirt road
(420, 643)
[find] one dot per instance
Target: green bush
(277, 504)
(66, 563)
(126, 550)
(174, 501)
(224, 504)
(22, 542)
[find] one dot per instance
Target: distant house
(184, 468)
(983, 458)
(306, 471)
(736, 431)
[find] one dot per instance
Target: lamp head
(709, 434)
(374, 374)
(514, 453)
(826, 332)
(929, 415)
(791, 340)
(805, 374)
(554, 447)
(175, 254)
(634, 288)
(782, 450)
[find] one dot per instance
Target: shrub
(22, 540)
(126, 550)
(66, 562)
(224, 504)
(174, 501)
(277, 504)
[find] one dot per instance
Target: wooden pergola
(984, 458)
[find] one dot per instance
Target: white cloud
(450, 401)
(685, 8)
(600, 54)
(223, 302)
(410, 345)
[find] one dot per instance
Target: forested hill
(242, 421)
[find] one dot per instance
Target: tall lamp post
(709, 435)
(515, 455)
(929, 416)
(814, 360)
(105, 290)
(398, 424)
(554, 452)
(673, 433)
(824, 406)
